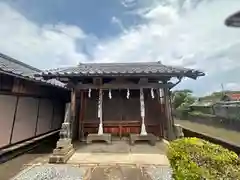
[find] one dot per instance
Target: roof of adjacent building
(233, 20)
(233, 96)
(116, 69)
(19, 69)
(202, 103)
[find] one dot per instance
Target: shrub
(196, 159)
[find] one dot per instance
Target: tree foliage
(182, 98)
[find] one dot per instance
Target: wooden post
(163, 117)
(73, 112)
(80, 129)
(169, 119)
(142, 108)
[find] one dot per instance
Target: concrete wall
(23, 118)
(231, 111)
(215, 121)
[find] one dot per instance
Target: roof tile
(122, 68)
(15, 67)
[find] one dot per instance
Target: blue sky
(190, 33)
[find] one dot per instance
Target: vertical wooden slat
(84, 110)
(81, 111)
(52, 120)
(73, 111)
(38, 108)
(168, 115)
(14, 119)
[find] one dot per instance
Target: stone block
(62, 152)
(178, 131)
(99, 137)
(61, 158)
(138, 137)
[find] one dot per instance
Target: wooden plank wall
(121, 116)
(28, 110)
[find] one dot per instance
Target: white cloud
(232, 86)
(195, 37)
(186, 33)
(45, 46)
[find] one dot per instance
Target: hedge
(197, 159)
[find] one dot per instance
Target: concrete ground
(120, 152)
(99, 161)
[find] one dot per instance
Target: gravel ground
(68, 172)
(52, 172)
(159, 173)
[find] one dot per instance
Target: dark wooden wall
(28, 109)
(121, 116)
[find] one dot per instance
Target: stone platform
(99, 137)
(120, 152)
(138, 137)
(62, 152)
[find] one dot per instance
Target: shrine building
(121, 99)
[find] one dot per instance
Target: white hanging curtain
(128, 93)
(89, 93)
(100, 128)
(142, 108)
(110, 94)
(152, 93)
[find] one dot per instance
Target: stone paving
(99, 161)
(98, 172)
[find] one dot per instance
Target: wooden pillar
(169, 119)
(100, 127)
(73, 112)
(162, 110)
(142, 109)
(83, 101)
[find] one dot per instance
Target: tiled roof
(203, 104)
(233, 20)
(140, 68)
(14, 67)
(234, 97)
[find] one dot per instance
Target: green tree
(182, 98)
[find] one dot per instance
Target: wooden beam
(38, 108)
(52, 120)
(143, 81)
(124, 86)
(81, 113)
(97, 81)
(169, 123)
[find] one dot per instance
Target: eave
(233, 20)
